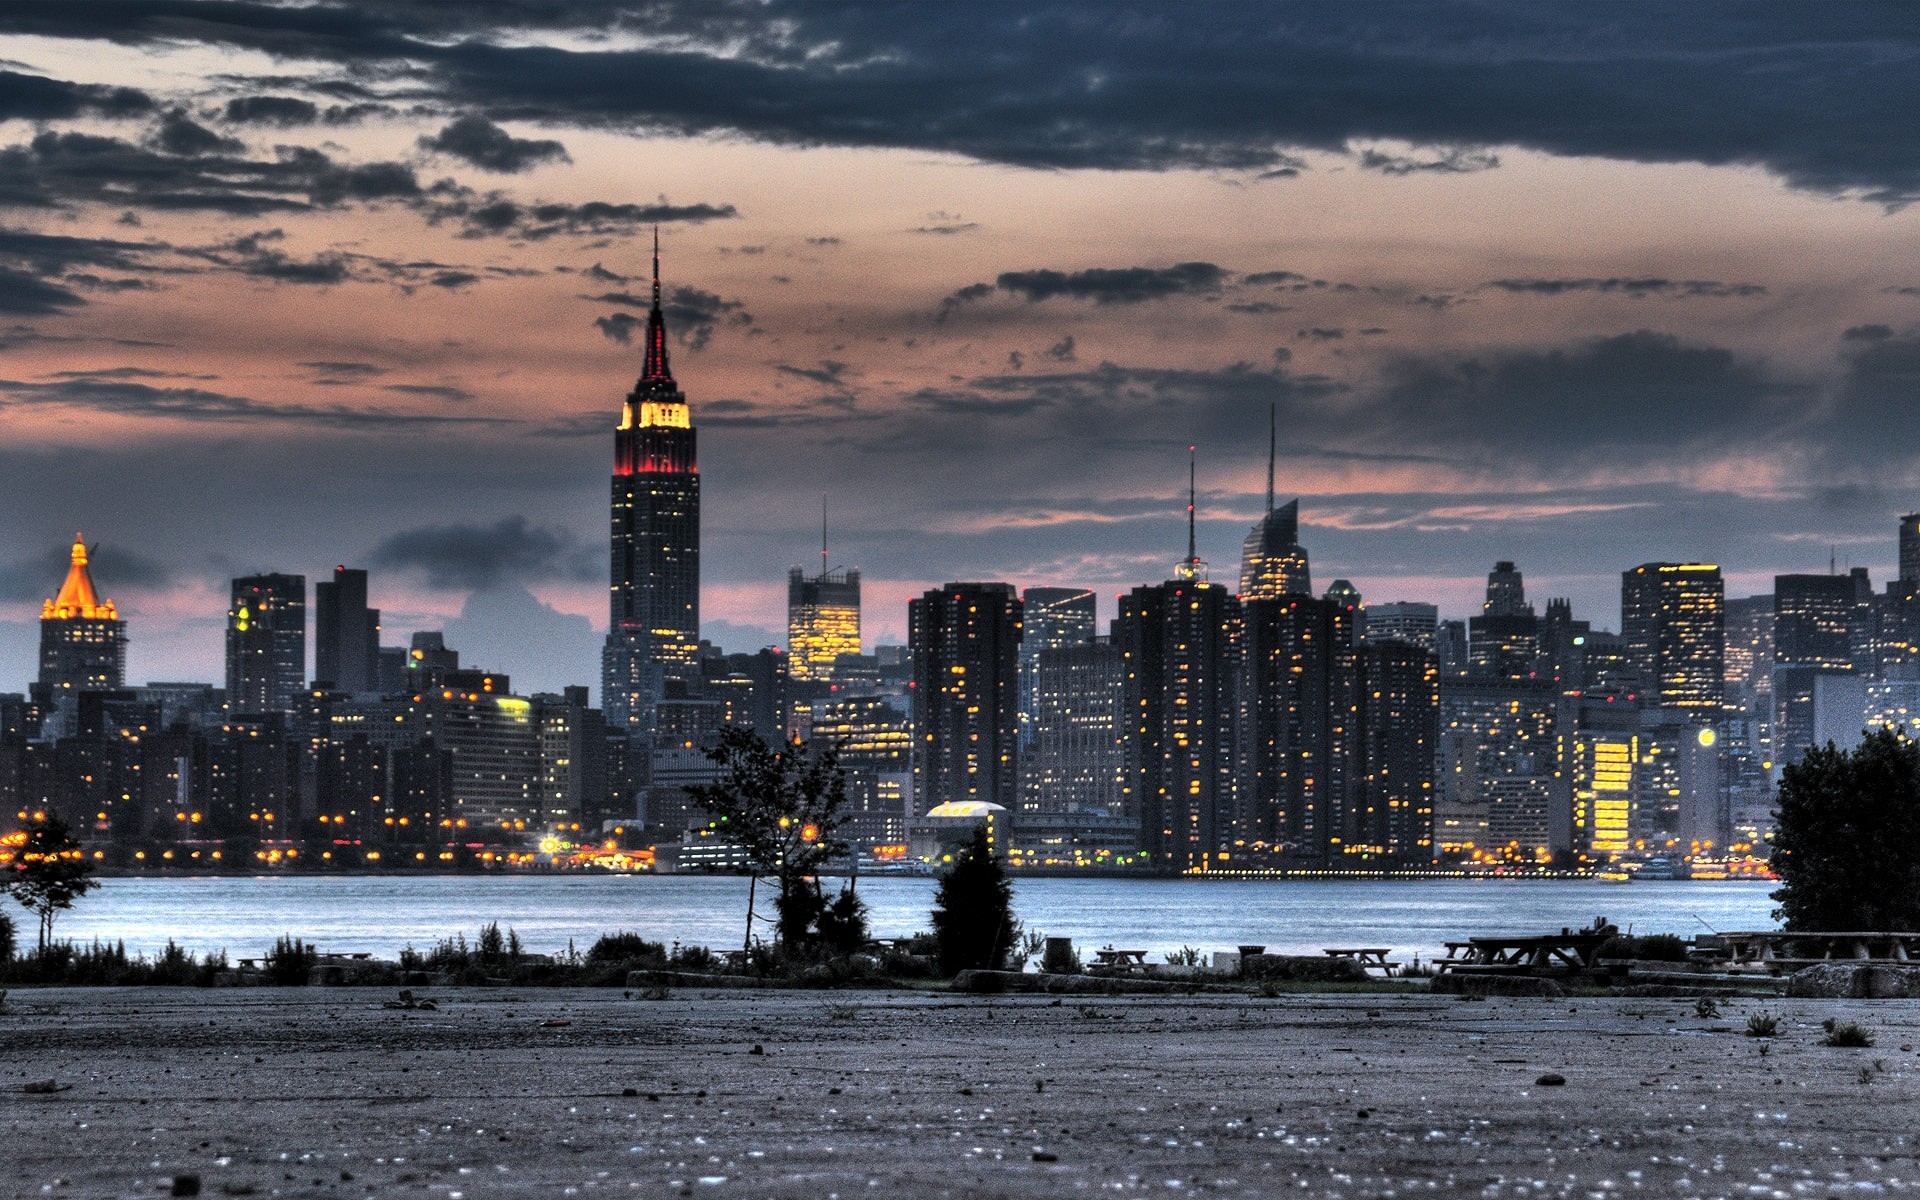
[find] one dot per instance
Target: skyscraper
(965, 641)
(823, 621)
(1814, 637)
(1673, 621)
(83, 641)
(1910, 549)
(346, 633)
(1300, 694)
(653, 631)
(1272, 561)
(1053, 618)
(1180, 644)
(266, 643)
(1504, 640)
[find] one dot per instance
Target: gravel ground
(324, 1092)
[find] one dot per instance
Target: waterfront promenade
(324, 1092)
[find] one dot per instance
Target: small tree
(47, 872)
(1846, 841)
(973, 910)
(783, 806)
(6, 938)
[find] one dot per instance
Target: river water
(382, 914)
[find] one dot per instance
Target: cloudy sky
(1580, 286)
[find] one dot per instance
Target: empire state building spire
(656, 371)
(654, 625)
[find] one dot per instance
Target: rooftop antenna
(1191, 567)
(656, 266)
(1272, 446)
(823, 535)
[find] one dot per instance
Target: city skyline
(255, 332)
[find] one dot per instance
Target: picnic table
(1777, 950)
(1570, 949)
(1120, 962)
(1370, 957)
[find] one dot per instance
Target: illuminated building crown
(77, 597)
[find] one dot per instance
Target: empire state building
(654, 627)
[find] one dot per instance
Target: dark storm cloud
(181, 135)
(37, 98)
(32, 579)
(1867, 333)
(619, 327)
(284, 111)
(693, 315)
(1101, 285)
(471, 557)
(478, 141)
(1453, 160)
(1811, 94)
(1645, 394)
(495, 215)
(438, 391)
(344, 369)
(1870, 424)
(124, 398)
(30, 295)
(60, 169)
(1126, 285)
(1630, 287)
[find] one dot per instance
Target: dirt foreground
(324, 1092)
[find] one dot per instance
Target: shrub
(290, 963)
(973, 909)
(1846, 1034)
(697, 959)
(843, 923)
(624, 948)
(7, 936)
(1763, 1024)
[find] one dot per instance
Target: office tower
(346, 633)
(1814, 640)
(1672, 619)
(1451, 644)
(1599, 753)
(1680, 799)
(83, 641)
(1504, 640)
(1563, 647)
(1498, 761)
(1341, 592)
(1076, 759)
(1299, 700)
(266, 643)
(1813, 620)
(1406, 621)
(572, 782)
(1272, 562)
(823, 622)
(1506, 592)
(1910, 550)
(874, 736)
(654, 625)
(1179, 643)
(965, 642)
(429, 657)
(1052, 618)
(1389, 818)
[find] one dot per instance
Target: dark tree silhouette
(1846, 841)
(47, 872)
(784, 806)
(973, 910)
